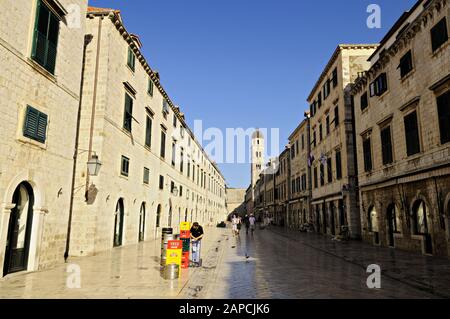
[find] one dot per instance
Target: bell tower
(257, 150)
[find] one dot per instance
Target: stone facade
(39, 163)
(236, 200)
(299, 194)
(281, 179)
(333, 163)
(402, 139)
(154, 173)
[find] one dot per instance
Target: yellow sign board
(174, 252)
(185, 226)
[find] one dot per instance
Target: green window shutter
(128, 113)
(46, 35)
(35, 126)
(131, 59)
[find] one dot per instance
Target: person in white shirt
(234, 224)
(252, 221)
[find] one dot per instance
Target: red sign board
(175, 244)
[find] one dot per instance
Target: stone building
(41, 50)
(154, 173)
(299, 194)
(281, 182)
(333, 154)
(235, 202)
(402, 108)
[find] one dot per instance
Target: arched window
(118, 223)
(142, 222)
(373, 220)
(420, 218)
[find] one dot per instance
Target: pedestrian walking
(196, 239)
(246, 223)
(252, 223)
(234, 225)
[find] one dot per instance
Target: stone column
(37, 232)
(5, 213)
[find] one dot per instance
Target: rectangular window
(146, 175)
(46, 33)
(327, 124)
(386, 145)
(128, 113)
(165, 108)
(338, 165)
(320, 132)
(443, 103)
(174, 120)
(125, 166)
(181, 191)
(364, 101)
(406, 64)
(367, 155)
(161, 182)
(150, 87)
(326, 89)
(315, 177)
(335, 78)
(189, 168)
(322, 174)
(314, 138)
(131, 61)
(329, 170)
(172, 186)
(181, 161)
(319, 100)
(296, 147)
(35, 126)
(379, 86)
(412, 134)
(336, 116)
(174, 147)
(148, 132)
(439, 34)
(303, 141)
(163, 144)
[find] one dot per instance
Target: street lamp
(93, 165)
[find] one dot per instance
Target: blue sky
(247, 63)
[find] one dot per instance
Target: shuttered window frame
(35, 125)
(45, 37)
(443, 104)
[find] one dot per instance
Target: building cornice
(333, 59)
(402, 40)
(115, 17)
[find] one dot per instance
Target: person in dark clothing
(247, 223)
(196, 238)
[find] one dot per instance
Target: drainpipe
(88, 38)
(94, 98)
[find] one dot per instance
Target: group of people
(249, 221)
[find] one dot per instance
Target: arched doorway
(142, 222)
(19, 230)
(373, 224)
(420, 223)
(332, 222)
(118, 223)
(391, 216)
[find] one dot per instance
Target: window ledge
(407, 76)
(440, 49)
(130, 69)
(39, 68)
(123, 177)
(27, 140)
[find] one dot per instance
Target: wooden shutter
(439, 34)
(35, 125)
(46, 35)
(367, 155)
(386, 146)
(148, 132)
(412, 134)
(338, 165)
(443, 103)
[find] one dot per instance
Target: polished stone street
(273, 263)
